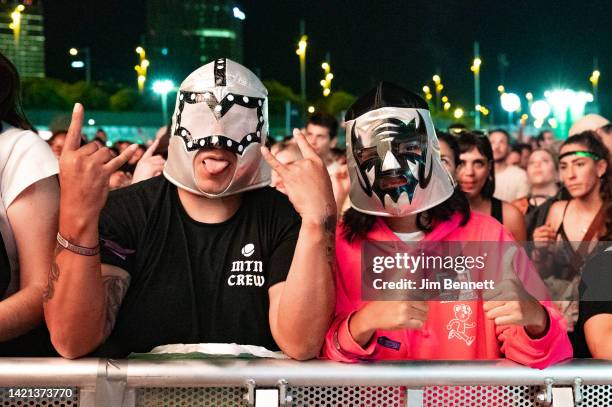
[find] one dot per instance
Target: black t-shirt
(595, 287)
(193, 282)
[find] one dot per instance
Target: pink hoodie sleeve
(339, 344)
(516, 344)
(552, 348)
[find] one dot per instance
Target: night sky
(547, 43)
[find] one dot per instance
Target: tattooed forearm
(115, 288)
(54, 273)
(330, 236)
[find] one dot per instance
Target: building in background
(22, 37)
(185, 34)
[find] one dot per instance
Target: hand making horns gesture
(149, 165)
(85, 171)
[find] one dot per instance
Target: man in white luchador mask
(206, 252)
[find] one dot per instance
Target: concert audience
(574, 226)
(477, 179)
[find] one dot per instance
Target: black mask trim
(220, 65)
(219, 109)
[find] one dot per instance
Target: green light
(216, 33)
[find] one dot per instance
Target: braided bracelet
(83, 251)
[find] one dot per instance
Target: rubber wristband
(83, 251)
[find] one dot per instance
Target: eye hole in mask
(232, 124)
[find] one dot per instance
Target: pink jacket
(444, 335)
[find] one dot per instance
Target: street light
(141, 68)
(458, 113)
(476, 69)
(510, 102)
(558, 99)
(301, 52)
(482, 109)
(327, 78)
(476, 65)
(529, 97)
(239, 14)
(563, 101)
(15, 25)
(594, 79)
(577, 104)
(540, 110)
(162, 88)
(82, 64)
(438, 88)
(427, 92)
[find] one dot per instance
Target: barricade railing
(264, 382)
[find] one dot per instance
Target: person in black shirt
(594, 325)
(204, 253)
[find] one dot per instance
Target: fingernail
(77, 107)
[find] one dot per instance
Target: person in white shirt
(29, 202)
(510, 180)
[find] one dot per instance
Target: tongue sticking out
(215, 166)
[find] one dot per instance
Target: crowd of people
(215, 233)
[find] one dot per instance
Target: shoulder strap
(583, 250)
(565, 210)
(561, 229)
(595, 225)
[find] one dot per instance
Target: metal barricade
(239, 382)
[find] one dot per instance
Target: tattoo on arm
(115, 288)
(330, 236)
(54, 273)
